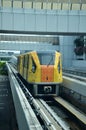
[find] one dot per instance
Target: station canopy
(46, 4)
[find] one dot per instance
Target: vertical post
(51, 5)
(32, 5)
(61, 6)
(80, 5)
(11, 3)
(1, 3)
(41, 5)
(22, 4)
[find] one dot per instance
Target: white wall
(79, 64)
(69, 59)
(43, 20)
(67, 50)
(13, 45)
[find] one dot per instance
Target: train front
(48, 73)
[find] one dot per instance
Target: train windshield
(46, 58)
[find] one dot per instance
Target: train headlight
(47, 89)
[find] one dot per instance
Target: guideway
(25, 116)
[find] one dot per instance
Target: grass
(3, 69)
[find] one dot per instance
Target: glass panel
(83, 6)
(38, 5)
(44, 5)
(65, 6)
(46, 58)
(6, 3)
(17, 4)
(27, 4)
(59, 6)
(75, 6)
(54, 6)
(48, 5)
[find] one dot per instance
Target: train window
(59, 66)
(46, 58)
(33, 66)
(26, 60)
(23, 60)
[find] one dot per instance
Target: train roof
(52, 51)
(41, 52)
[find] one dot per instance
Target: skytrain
(42, 70)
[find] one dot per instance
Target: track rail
(48, 125)
(58, 120)
(65, 114)
(75, 72)
(79, 75)
(45, 114)
(75, 77)
(76, 112)
(49, 122)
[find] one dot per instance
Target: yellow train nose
(47, 73)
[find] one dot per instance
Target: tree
(79, 49)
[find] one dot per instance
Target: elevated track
(36, 114)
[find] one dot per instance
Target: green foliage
(79, 49)
(79, 42)
(3, 70)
